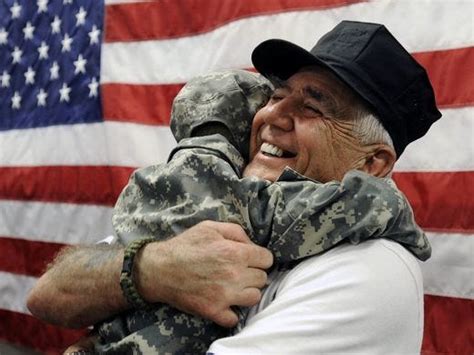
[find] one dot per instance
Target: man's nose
(280, 115)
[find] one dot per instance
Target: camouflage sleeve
(161, 329)
(295, 219)
(311, 218)
(130, 218)
(163, 200)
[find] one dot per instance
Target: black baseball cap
(374, 64)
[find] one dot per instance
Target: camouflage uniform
(294, 217)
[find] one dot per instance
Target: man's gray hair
(368, 129)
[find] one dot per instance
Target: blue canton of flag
(49, 62)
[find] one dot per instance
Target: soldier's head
(353, 102)
(222, 102)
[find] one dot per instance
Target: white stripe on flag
(229, 46)
(448, 146)
(110, 143)
(449, 271)
(15, 289)
(55, 222)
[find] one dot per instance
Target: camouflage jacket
(294, 217)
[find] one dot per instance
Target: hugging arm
(203, 271)
(310, 218)
(80, 287)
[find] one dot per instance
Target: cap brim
(280, 58)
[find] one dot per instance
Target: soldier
(294, 217)
(361, 298)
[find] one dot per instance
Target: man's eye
(313, 109)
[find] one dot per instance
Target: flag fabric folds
(85, 96)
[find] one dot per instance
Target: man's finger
(227, 318)
(259, 257)
(248, 297)
(253, 277)
(230, 231)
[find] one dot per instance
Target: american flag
(85, 96)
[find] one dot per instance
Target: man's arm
(202, 271)
(79, 288)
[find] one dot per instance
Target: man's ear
(380, 161)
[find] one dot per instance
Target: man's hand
(204, 271)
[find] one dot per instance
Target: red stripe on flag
(18, 328)
(102, 185)
(442, 201)
(99, 185)
(177, 18)
(145, 104)
(449, 326)
(452, 75)
(451, 71)
(26, 257)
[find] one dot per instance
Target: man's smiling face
(307, 125)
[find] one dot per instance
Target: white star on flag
(15, 10)
(56, 25)
(4, 35)
(54, 71)
(64, 93)
(80, 65)
(81, 16)
(43, 50)
(67, 2)
(42, 5)
(16, 54)
(5, 78)
(16, 100)
(94, 35)
(66, 43)
(93, 86)
(30, 76)
(41, 97)
(28, 30)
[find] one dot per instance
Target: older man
(365, 298)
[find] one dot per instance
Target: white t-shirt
(365, 299)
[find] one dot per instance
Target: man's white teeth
(271, 149)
